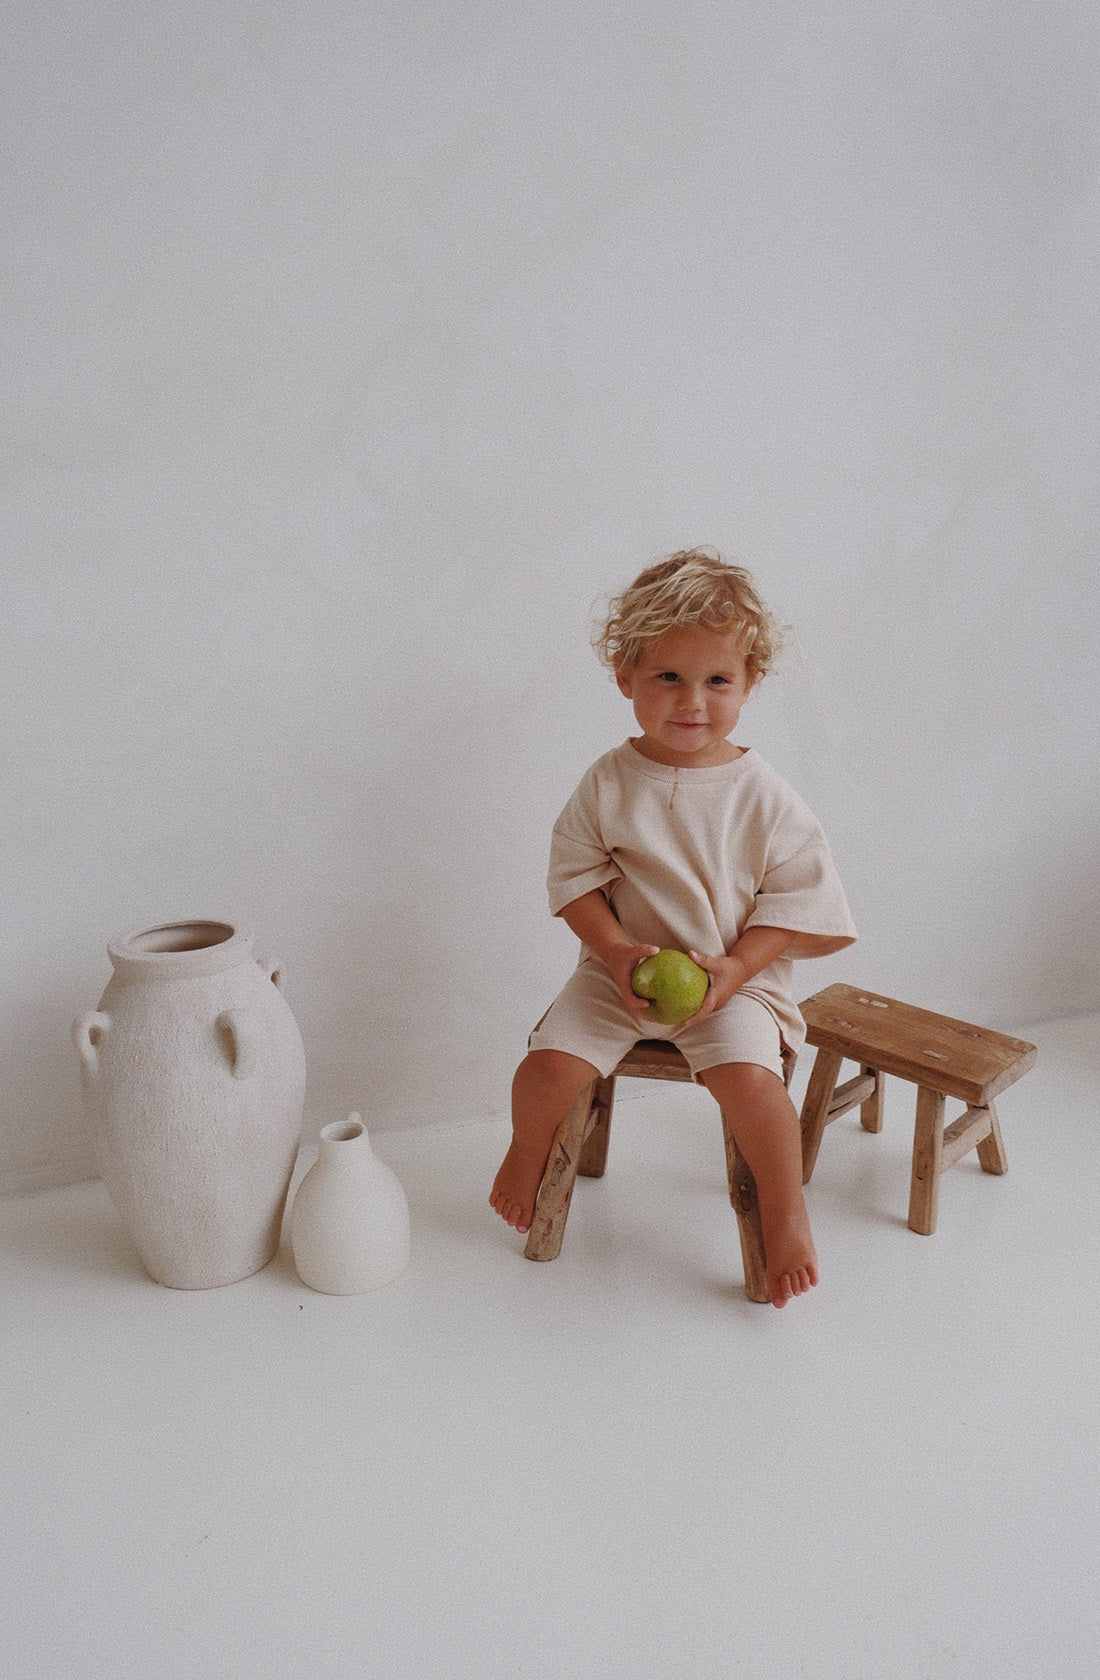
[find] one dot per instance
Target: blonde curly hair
(693, 586)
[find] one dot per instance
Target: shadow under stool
(943, 1058)
(581, 1148)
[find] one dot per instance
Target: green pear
(675, 985)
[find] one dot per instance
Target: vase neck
(344, 1137)
(179, 950)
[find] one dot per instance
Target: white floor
(612, 1466)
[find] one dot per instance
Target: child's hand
(755, 949)
(727, 976)
(622, 962)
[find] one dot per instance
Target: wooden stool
(581, 1147)
(941, 1057)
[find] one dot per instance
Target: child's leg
(546, 1085)
(765, 1124)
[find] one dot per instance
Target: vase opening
(343, 1131)
(180, 936)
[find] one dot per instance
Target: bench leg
(991, 1150)
(870, 1112)
(924, 1192)
(747, 1208)
(594, 1154)
(815, 1107)
(552, 1208)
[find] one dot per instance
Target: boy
(678, 838)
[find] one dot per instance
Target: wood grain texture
(552, 1208)
(815, 1106)
(952, 1057)
(941, 1056)
(924, 1189)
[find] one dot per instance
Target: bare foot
(516, 1187)
(791, 1256)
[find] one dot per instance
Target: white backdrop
(354, 349)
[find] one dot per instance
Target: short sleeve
(801, 891)
(579, 860)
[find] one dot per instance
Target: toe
(504, 1207)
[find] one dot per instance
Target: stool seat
(941, 1056)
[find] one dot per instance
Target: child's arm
(596, 925)
(756, 948)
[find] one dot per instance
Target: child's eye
(720, 682)
(667, 677)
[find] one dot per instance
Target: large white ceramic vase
(193, 1078)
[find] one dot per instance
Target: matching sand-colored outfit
(691, 859)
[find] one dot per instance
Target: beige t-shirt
(691, 858)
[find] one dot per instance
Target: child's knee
(554, 1070)
(742, 1082)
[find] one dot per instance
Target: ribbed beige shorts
(589, 1019)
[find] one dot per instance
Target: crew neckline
(696, 773)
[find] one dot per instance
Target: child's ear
(624, 676)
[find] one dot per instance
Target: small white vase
(349, 1226)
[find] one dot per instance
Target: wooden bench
(581, 1148)
(942, 1057)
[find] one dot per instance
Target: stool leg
(991, 1150)
(594, 1154)
(749, 1229)
(870, 1112)
(924, 1193)
(815, 1107)
(552, 1208)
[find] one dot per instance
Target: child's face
(688, 687)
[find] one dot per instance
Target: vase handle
(274, 972)
(87, 1032)
(237, 1028)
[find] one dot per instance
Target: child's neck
(726, 753)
